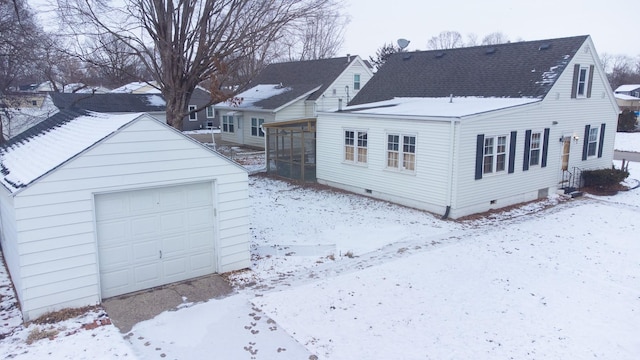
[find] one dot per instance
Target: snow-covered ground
(340, 276)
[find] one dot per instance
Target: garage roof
(49, 144)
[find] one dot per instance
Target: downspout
(452, 147)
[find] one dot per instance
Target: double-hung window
(356, 81)
(355, 146)
(210, 112)
(494, 158)
(227, 124)
(592, 144)
(535, 148)
(401, 152)
(256, 127)
(583, 74)
(193, 115)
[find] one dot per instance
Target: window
(193, 115)
(534, 149)
(401, 152)
(592, 145)
(210, 112)
(34, 102)
(256, 127)
(355, 146)
(495, 154)
(356, 81)
(227, 124)
(582, 81)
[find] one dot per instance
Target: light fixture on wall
(576, 138)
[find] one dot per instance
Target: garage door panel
(146, 251)
(112, 232)
(144, 225)
(114, 257)
(202, 262)
(201, 239)
(154, 236)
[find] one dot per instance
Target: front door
(566, 149)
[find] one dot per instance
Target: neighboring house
(462, 131)
(20, 111)
(628, 97)
(200, 99)
(96, 205)
(113, 103)
(290, 91)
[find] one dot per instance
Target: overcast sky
(614, 25)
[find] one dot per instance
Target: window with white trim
(535, 148)
(592, 144)
(401, 152)
(494, 159)
(193, 115)
(581, 86)
(227, 124)
(256, 127)
(210, 112)
(356, 81)
(355, 146)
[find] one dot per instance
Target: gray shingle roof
(110, 102)
(521, 69)
(301, 77)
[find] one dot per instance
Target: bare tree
(445, 40)
(623, 71)
(18, 39)
(472, 39)
(495, 38)
(113, 62)
(190, 41)
(317, 36)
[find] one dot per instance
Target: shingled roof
(110, 102)
(300, 77)
(512, 70)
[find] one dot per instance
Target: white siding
(296, 110)
(8, 238)
(424, 188)
(55, 218)
(571, 116)
(338, 90)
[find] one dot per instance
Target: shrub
(605, 178)
(627, 121)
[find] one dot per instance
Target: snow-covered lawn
(340, 276)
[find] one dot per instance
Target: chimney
(348, 58)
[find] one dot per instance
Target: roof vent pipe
(348, 58)
(450, 98)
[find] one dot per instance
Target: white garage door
(152, 237)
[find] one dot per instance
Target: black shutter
(527, 147)
(479, 155)
(512, 152)
(601, 142)
(545, 145)
(574, 86)
(585, 144)
(591, 68)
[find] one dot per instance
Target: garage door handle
(160, 254)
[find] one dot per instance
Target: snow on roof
(625, 97)
(25, 161)
(156, 100)
(258, 93)
(628, 87)
(438, 107)
(137, 86)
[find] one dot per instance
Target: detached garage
(95, 205)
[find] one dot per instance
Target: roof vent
(406, 57)
(440, 54)
(544, 46)
(490, 51)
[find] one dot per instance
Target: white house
(95, 205)
(462, 131)
(290, 91)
